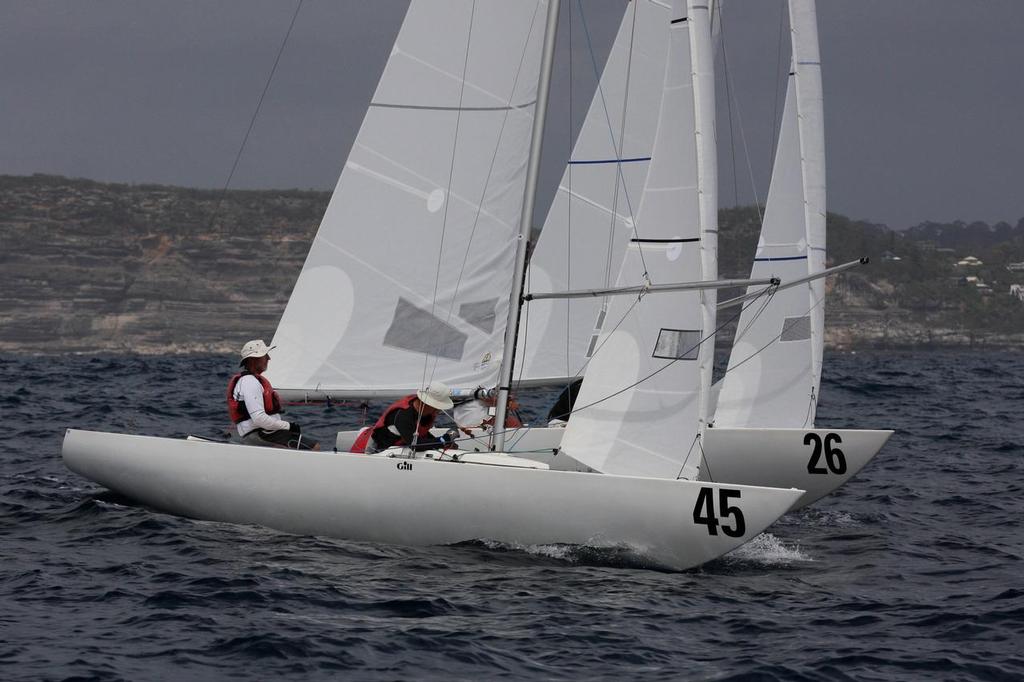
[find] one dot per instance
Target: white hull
(774, 458)
(424, 502)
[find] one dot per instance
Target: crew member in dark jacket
(407, 422)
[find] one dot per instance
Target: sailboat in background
(770, 389)
(408, 282)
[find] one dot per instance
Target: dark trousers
(279, 439)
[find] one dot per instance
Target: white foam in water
(597, 554)
(768, 549)
(559, 552)
(830, 518)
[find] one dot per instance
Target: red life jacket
(422, 430)
(237, 409)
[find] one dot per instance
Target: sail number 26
(704, 512)
(834, 458)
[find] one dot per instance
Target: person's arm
(252, 391)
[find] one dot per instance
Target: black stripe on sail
(664, 241)
(676, 21)
(428, 107)
(584, 162)
(779, 258)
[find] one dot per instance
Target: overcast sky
(924, 99)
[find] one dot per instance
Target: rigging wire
(483, 191)
(776, 337)
(728, 105)
(739, 119)
(778, 68)
(769, 290)
(738, 335)
(619, 176)
(451, 173)
(255, 114)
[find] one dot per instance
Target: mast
(803, 23)
(525, 220)
(703, 79)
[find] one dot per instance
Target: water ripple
(911, 571)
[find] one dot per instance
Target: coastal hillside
(99, 267)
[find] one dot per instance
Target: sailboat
(773, 378)
(423, 240)
(763, 410)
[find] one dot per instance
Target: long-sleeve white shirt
(250, 390)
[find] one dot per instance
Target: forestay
(591, 218)
(775, 366)
(408, 277)
(643, 404)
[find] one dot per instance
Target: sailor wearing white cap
(254, 405)
(407, 422)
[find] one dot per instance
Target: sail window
(677, 344)
(796, 329)
(480, 314)
(419, 331)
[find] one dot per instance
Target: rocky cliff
(90, 267)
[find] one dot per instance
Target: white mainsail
(408, 277)
(591, 218)
(642, 408)
(775, 366)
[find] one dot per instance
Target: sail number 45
(834, 458)
(704, 512)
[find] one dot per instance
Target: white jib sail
(775, 366)
(642, 407)
(408, 277)
(591, 217)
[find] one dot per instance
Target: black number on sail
(834, 458)
(704, 512)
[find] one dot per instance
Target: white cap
(255, 349)
(436, 394)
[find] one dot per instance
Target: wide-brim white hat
(436, 394)
(255, 349)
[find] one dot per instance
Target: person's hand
(294, 428)
(450, 437)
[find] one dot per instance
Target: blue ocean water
(912, 571)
